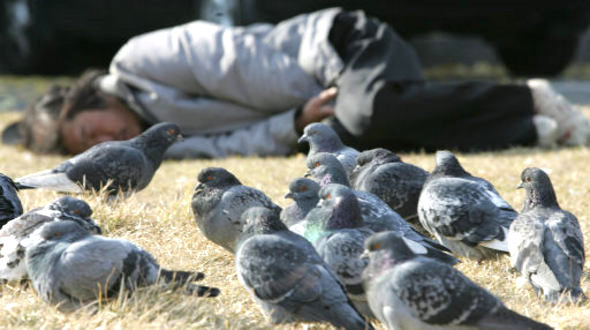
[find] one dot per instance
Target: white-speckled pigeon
(465, 213)
(322, 138)
(381, 172)
(409, 291)
(124, 165)
(304, 193)
(545, 242)
(287, 278)
(71, 268)
(10, 205)
(14, 235)
(218, 203)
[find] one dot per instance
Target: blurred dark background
(530, 38)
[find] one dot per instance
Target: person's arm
(275, 136)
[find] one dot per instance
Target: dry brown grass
(160, 220)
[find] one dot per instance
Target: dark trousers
(383, 100)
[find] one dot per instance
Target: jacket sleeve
(274, 136)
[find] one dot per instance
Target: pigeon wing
(459, 210)
(126, 166)
(342, 251)
(437, 294)
(98, 264)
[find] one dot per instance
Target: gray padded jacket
(232, 90)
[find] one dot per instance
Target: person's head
(72, 119)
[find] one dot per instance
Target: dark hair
(41, 123)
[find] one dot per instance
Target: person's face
(91, 127)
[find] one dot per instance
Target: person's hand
(316, 109)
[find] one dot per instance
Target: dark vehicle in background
(65, 36)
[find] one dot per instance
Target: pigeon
(545, 242)
(381, 172)
(407, 290)
(325, 169)
(10, 205)
(322, 138)
(218, 202)
(14, 235)
(71, 268)
(304, 193)
(337, 230)
(287, 278)
(465, 213)
(117, 165)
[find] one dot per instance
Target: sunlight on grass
(159, 219)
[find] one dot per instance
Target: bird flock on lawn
(367, 237)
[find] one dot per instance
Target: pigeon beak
(199, 187)
(520, 185)
(288, 195)
(365, 254)
(302, 139)
(307, 174)
(179, 138)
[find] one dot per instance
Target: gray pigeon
(218, 203)
(409, 291)
(322, 138)
(287, 278)
(381, 172)
(71, 268)
(304, 193)
(465, 213)
(14, 235)
(337, 231)
(325, 169)
(545, 242)
(10, 205)
(123, 165)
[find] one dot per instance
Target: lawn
(160, 220)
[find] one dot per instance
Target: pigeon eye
(313, 133)
(527, 179)
(172, 131)
(56, 235)
(303, 189)
(376, 246)
(328, 196)
(317, 164)
(76, 212)
(210, 177)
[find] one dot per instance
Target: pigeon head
(321, 138)
(76, 210)
(448, 165)
(376, 156)
(165, 133)
(325, 168)
(261, 220)
(63, 231)
(538, 188)
(71, 206)
(155, 141)
(340, 208)
(217, 177)
(303, 189)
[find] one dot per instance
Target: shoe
(572, 125)
(547, 131)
